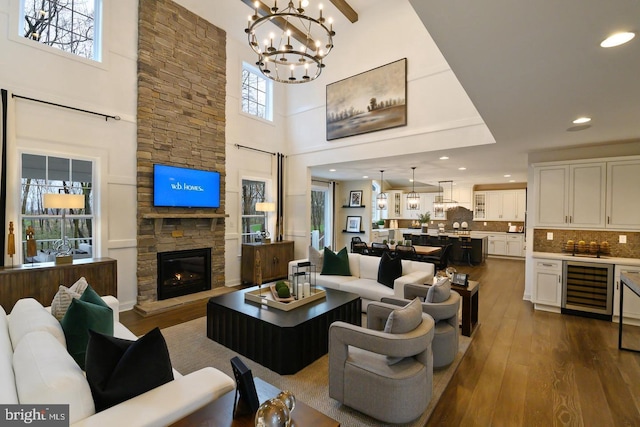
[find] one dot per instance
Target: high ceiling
(530, 68)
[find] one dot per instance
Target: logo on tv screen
(184, 187)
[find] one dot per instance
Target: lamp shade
(63, 201)
(265, 207)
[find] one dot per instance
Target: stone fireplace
(180, 122)
(183, 272)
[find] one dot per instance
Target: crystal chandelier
(381, 199)
(278, 59)
(413, 198)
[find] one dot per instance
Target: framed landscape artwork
(368, 102)
(353, 223)
(355, 198)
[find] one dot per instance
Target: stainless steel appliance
(587, 289)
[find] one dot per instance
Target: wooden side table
(470, 297)
(219, 413)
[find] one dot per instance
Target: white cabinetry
(623, 194)
(547, 286)
(395, 205)
(631, 300)
(379, 236)
(497, 244)
(515, 245)
(500, 205)
(570, 195)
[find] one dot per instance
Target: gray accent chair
(445, 314)
(360, 375)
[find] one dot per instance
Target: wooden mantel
(159, 218)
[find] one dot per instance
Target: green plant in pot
(424, 220)
(381, 223)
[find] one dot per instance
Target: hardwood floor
(524, 367)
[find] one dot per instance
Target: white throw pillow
(46, 373)
(29, 315)
(62, 299)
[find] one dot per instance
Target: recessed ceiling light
(410, 180)
(507, 176)
(581, 120)
(332, 170)
(617, 39)
(365, 177)
(462, 168)
(512, 180)
(444, 158)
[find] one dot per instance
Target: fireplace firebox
(183, 272)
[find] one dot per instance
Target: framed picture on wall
(353, 223)
(355, 198)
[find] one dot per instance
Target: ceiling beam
(346, 10)
(264, 10)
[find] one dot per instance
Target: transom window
(69, 25)
(45, 175)
(256, 93)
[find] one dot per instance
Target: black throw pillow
(119, 369)
(389, 269)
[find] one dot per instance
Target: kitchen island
(480, 245)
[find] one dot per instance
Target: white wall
(36, 71)
(440, 115)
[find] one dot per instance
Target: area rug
(190, 350)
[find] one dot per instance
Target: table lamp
(266, 207)
(63, 201)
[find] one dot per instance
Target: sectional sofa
(35, 368)
(364, 277)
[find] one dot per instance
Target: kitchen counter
(603, 259)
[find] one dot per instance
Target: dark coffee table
(283, 341)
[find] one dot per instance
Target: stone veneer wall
(181, 122)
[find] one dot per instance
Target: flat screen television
(185, 187)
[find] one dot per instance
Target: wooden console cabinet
(274, 259)
(41, 281)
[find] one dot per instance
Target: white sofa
(364, 278)
(35, 368)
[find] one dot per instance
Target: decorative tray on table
(267, 295)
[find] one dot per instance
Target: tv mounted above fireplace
(185, 187)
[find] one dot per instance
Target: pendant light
(413, 198)
(381, 199)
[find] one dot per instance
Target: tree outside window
(68, 25)
(318, 214)
(253, 222)
(47, 174)
(256, 93)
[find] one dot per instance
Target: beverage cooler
(588, 289)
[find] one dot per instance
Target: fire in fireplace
(183, 272)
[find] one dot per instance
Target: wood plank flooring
(524, 367)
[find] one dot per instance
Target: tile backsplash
(631, 249)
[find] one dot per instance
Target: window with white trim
(73, 26)
(256, 93)
(47, 174)
(252, 221)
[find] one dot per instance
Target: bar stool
(466, 247)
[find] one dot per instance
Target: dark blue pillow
(119, 369)
(389, 269)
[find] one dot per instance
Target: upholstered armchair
(386, 375)
(444, 313)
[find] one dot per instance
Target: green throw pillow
(87, 312)
(336, 264)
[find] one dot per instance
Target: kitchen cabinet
(570, 195)
(623, 195)
(547, 286)
(274, 260)
(479, 206)
(379, 236)
(505, 205)
(631, 300)
(497, 244)
(514, 245)
(395, 205)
